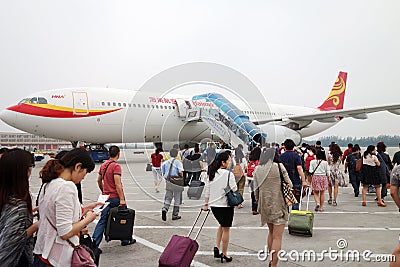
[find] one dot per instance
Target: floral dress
(337, 176)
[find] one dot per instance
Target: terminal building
(31, 142)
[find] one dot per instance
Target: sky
(291, 50)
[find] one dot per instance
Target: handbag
(149, 167)
(287, 192)
(234, 197)
(81, 255)
(174, 183)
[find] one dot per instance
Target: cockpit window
(42, 100)
(34, 100)
(23, 101)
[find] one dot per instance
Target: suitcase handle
(308, 189)
(202, 224)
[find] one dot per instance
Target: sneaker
(164, 215)
(176, 218)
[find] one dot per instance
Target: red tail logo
(335, 99)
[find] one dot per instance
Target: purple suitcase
(180, 250)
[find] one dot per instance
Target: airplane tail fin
(335, 99)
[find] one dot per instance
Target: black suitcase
(120, 222)
(195, 189)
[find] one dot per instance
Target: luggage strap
(308, 197)
(201, 226)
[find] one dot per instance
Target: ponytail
(216, 164)
(51, 170)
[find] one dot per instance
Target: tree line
(389, 140)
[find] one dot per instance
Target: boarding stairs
(226, 120)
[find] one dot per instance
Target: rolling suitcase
(301, 222)
(180, 250)
(120, 222)
(195, 189)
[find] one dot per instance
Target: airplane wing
(332, 115)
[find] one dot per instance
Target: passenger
(215, 196)
(308, 157)
(318, 146)
(172, 167)
(240, 178)
(271, 203)
(336, 176)
(210, 153)
(347, 152)
(370, 175)
(16, 219)
(60, 210)
(254, 158)
(394, 192)
(292, 162)
(350, 166)
(196, 166)
(384, 169)
(109, 182)
(396, 158)
(178, 157)
(156, 159)
(2, 151)
(186, 162)
(320, 179)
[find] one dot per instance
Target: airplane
(104, 115)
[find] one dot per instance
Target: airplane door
(183, 107)
(80, 103)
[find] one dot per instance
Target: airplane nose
(8, 116)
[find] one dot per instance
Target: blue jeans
(37, 262)
(101, 225)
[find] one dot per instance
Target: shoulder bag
(287, 191)
(234, 198)
(81, 256)
(174, 183)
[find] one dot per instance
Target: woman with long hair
(336, 176)
(320, 169)
(271, 204)
(219, 176)
(370, 175)
(156, 159)
(60, 210)
(16, 220)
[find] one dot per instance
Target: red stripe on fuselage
(53, 113)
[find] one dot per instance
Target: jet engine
(278, 133)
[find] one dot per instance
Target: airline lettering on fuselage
(162, 100)
(202, 104)
(58, 96)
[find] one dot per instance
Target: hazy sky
(292, 50)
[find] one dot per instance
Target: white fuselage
(126, 116)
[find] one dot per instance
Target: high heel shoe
(223, 257)
(216, 253)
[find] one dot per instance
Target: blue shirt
(177, 167)
(291, 160)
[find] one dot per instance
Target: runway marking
(161, 250)
(359, 229)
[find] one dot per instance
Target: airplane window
(34, 100)
(156, 106)
(108, 104)
(169, 107)
(161, 107)
(25, 100)
(119, 104)
(148, 106)
(42, 100)
(173, 107)
(114, 104)
(103, 103)
(124, 104)
(130, 105)
(134, 105)
(152, 106)
(138, 105)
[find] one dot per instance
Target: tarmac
(339, 232)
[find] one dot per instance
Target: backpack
(250, 168)
(355, 163)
